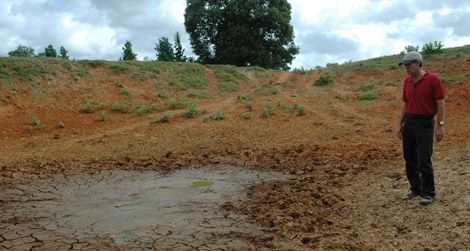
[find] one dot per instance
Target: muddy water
(130, 209)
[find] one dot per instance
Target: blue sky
(326, 31)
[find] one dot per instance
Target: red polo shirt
(420, 98)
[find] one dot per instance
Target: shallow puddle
(144, 209)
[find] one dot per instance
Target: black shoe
(426, 200)
(410, 196)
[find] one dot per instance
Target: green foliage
(165, 118)
(267, 111)
(433, 48)
(218, 115)
(229, 77)
(200, 95)
(126, 94)
(188, 76)
(127, 53)
(410, 48)
(63, 53)
(118, 85)
(241, 33)
(175, 103)
(323, 81)
(118, 68)
(119, 107)
(103, 116)
(22, 51)
(164, 50)
(179, 51)
(60, 125)
(36, 123)
(192, 111)
(142, 110)
(91, 107)
(50, 52)
(265, 90)
(300, 109)
(228, 87)
(248, 104)
(162, 95)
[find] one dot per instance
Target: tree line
(236, 32)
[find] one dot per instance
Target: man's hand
(439, 133)
(399, 133)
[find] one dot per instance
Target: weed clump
(267, 111)
(218, 115)
(323, 81)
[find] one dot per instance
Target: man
(423, 97)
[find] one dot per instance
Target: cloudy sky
(332, 31)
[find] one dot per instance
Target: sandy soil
(344, 157)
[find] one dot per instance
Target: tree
(50, 52)
(164, 50)
(241, 32)
(63, 53)
(22, 51)
(127, 53)
(179, 51)
(433, 48)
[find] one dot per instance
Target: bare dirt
(343, 157)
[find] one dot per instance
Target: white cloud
(326, 31)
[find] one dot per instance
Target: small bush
(248, 105)
(165, 118)
(91, 107)
(125, 94)
(323, 81)
(141, 110)
(36, 123)
(119, 85)
(219, 115)
(175, 103)
(267, 111)
(201, 94)
(192, 111)
(300, 109)
(369, 95)
(61, 125)
(161, 95)
(228, 87)
(103, 116)
(119, 107)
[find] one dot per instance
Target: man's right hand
(399, 133)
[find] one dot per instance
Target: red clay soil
(344, 155)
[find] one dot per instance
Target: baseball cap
(410, 56)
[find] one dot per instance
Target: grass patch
(187, 75)
(199, 95)
(118, 68)
(126, 94)
(369, 95)
(267, 111)
(202, 183)
(120, 107)
(175, 103)
(229, 77)
(103, 116)
(165, 118)
(91, 107)
(218, 115)
(192, 111)
(118, 85)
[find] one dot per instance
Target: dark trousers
(418, 135)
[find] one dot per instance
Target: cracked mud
(112, 209)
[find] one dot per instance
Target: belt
(417, 116)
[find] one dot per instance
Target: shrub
(192, 111)
(165, 118)
(268, 111)
(90, 107)
(369, 95)
(410, 48)
(103, 116)
(433, 48)
(119, 85)
(119, 107)
(60, 125)
(125, 94)
(323, 80)
(300, 109)
(228, 87)
(176, 103)
(36, 123)
(141, 110)
(246, 115)
(248, 105)
(218, 115)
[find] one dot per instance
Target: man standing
(423, 97)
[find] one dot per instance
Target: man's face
(412, 67)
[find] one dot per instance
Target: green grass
(267, 111)
(91, 107)
(175, 103)
(218, 115)
(185, 75)
(229, 77)
(126, 94)
(199, 95)
(202, 183)
(192, 111)
(324, 80)
(120, 107)
(165, 118)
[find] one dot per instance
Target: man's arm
(400, 124)
(441, 110)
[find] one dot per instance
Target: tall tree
(179, 51)
(50, 52)
(127, 53)
(22, 51)
(241, 32)
(164, 50)
(63, 53)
